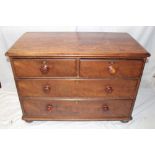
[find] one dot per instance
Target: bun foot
(124, 121)
(28, 121)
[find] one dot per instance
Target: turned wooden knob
(49, 108)
(46, 89)
(105, 108)
(44, 68)
(112, 70)
(108, 89)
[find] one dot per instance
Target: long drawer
(82, 109)
(45, 67)
(100, 68)
(78, 88)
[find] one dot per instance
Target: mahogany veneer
(77, 76)
(78, 88)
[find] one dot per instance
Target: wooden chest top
(82, 44)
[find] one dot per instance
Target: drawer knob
(49, 108)
(105, 108)
(47, 89)
(44, 68)
(112, 70)
(108, 89)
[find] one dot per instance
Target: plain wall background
(144, 35)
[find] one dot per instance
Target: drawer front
(83, 109)
(45, 67)
(110, 68)
(78, 88)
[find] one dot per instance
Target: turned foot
(28, 121)
(125, 121)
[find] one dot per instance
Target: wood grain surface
(77, 44)
(83, 109)
(56, 67)
(78, 88)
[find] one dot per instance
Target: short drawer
(45, 67)
(99, 68)
(78, 88)
(82, 109)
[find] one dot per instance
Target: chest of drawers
(77, 76)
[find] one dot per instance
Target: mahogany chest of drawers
(77, 76)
